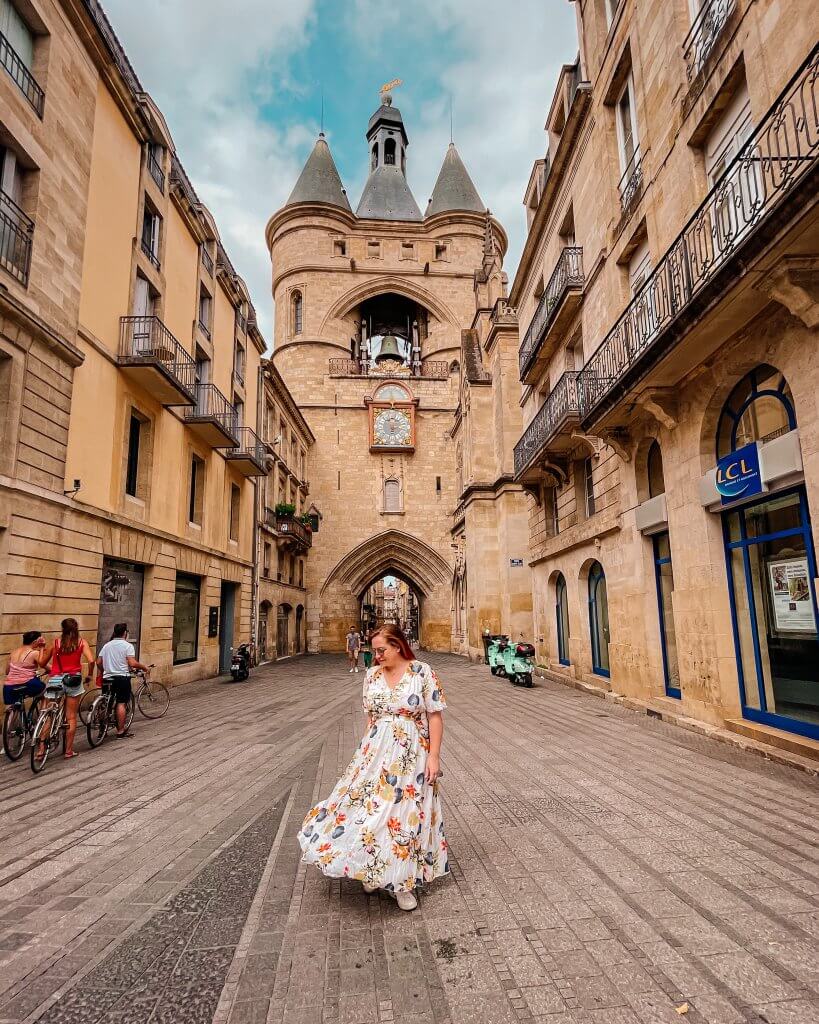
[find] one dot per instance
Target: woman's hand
(433, 769)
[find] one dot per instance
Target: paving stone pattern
(607, 868)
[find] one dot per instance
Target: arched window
(599, 619)
(392, 393)
(654, 466)
(389, 152)
(758, 409)
(374, 158)
(392, 495)
(297, 303)
(562, 616)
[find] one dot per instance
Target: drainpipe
(254, 586)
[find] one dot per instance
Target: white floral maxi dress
(382, 823)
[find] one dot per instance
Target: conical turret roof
(387, 196)
(454, 189)
(319, 181)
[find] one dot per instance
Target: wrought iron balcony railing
(207, 261)
(292, 527)
(560, 406)
(705, 31)
(631, 184)
(22, 77)
(781, 152)
(211, 404)
(238, 378)
(145, 339)
(156, 170)
(16, 235)
(149, 252)
(431, 369)
(250, 446)
(203, 327)
(568, 273)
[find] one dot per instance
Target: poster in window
(121, 588)
(791, 596)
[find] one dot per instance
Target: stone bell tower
(375, 311)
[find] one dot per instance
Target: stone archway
(391, 552)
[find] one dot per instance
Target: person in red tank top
(67, 654)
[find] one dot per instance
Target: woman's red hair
(395, 636)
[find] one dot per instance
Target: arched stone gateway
(391, 552)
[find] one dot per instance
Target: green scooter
(513, 660)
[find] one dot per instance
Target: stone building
(383, 336)
(287, 521)
(129, 359)
(668, 298)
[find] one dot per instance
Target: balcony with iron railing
(212, 418)
(152, 356)
(550, 432)
(631, 183)
(556, 307)
(707, 28)
(771, 180)
(16, 237)
(431, 369)
(156, 171)
(207, 261)
(250, 457)
(290, 528)
(148, 249)
(11, 60)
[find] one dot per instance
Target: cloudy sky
(240, 84)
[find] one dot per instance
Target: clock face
(391, 427)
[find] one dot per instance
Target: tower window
(407, 250)
(297, 303)
(374, 158)
(392, 496)
(389, 152)
(340, 247)
(374, 250)
(440, 251)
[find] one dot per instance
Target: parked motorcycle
(515, 661)
(240, 663)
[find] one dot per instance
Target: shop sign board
(739, 474)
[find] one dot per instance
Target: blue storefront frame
(765, 717)
(671, 691)
(597, 578)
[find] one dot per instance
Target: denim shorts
(70, 689)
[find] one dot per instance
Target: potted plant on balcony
(306, 521)
(284, 510)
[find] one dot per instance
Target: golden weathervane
(387, 88)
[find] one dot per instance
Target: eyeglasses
(380, 650)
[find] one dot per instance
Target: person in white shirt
(117, 659)
(353, 648)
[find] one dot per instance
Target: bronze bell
(389, 349)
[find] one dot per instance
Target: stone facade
(125, 307)
(657, 273)
(430, 283)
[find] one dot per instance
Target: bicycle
(50, 727)
(103, 714)
(18, 726)
(152, 699)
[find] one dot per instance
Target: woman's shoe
(369, 889)
(406, 900)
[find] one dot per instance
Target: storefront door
(120, 600)
(771, 574)
(599, 620)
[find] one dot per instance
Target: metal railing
(568, 273)
(204, 329)
(149, 252)
(207, 261)
(146, 339)
(432, 369)
(705, 31)
(239, 378)
(250, 446)
(16, 236)
(561, 404)
(631, 183)
(156, 170)
(22, 77)
(781, 151)
(211, 404)
(293, 527)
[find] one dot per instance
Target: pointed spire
(319, 181)
(490, 243)
(454, 189)
(386, 195)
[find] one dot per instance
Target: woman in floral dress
(382, 823)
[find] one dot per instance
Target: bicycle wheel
(14, 732)
(129, 714)
(97, 726)
(153, 700)
(42, 739)
(86, 704)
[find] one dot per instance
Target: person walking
(382, 823)
(353, 648)
(116, 660)
(67, 654)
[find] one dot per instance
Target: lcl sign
(738, 474)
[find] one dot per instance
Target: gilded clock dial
(392, 427)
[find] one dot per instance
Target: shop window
(599, 619)
(654, 466)
(664, 576)
(196, 490)
(186, 619)
(759, 408)
(562, 620)
(234, 512)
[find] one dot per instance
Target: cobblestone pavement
(606, 868)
